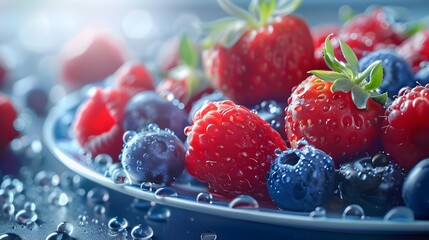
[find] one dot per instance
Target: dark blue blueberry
(373, 182)
(397, 72)
(153, 155)
(422, 76)
(302, 179)
(32, 93)
(415, 190)
(212, 97)
(274, 113)
(148, 107)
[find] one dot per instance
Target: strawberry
(337, 111)
(185, 83)
(134, 78)
(406, 127)
(8, 115)
(364, 33)
(98, 124)
(250, 61)
(2, 74)
(415, 49)
(231, 148)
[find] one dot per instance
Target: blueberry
(397, 71)
(153, 155)
(274, 113)
(32, 93)
(212, 97)
(148, 107)
(415, 190)
(373, 182)
(302, 179)
(422, 76)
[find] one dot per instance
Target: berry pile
(272, 111)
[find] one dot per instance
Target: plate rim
(265, 217)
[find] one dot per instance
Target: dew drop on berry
(353, 212)
(278, 151)
(244, 201)
(400, 214)
(165, 192)
(204, 197)
(128, 135)
(142, 232)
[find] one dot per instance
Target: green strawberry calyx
(227, 31)
(348, 77)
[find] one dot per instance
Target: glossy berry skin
(372, 182)
(406, 127)
(231, 148)
(133, 77)
(415, 49)
(302, 178)
(331, 121)
(397, 72)
(422, 76)
(265, 63)
(148, 107)
(274, 113)
(153, 155)
(415, 191)
(8, 115)
(98, 123)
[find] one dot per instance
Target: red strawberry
(320, 32)
(98, 124)
(415, 49)
(336, 110)
(231, 148)
(8, 115)
(2, 74)
(251, 61)
(134, 78)
(185, 83)
(406, 127)
(364, 33)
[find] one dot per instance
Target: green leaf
(266, 9)
(375, 77)
(381, 98)
(350, 57)
(360, 97)
(218, 25)
(329, 76)
(237, 11)
(253, 8)
(366, 72)
(342, 85)
(187, 51)
(329, 56)
(286, 7)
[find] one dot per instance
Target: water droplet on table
(208, 236)
(353, 211)
(141, 232)
(8, 209)
(244, 201)
(65, 227)
(25, 217)
(58, 236)
(158, 213)
(10, 236)
(400, 214)
(141, 205)
(47, 179)
(165, 192)
(99, 209)
(204, 197)
(58, 198)
(14, 185)
(97, 195)
(6, 196)
(117, 224)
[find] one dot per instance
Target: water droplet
(165, 192)
(354, 211)
(10, 236)
(47, 179)
(13, 185)
(111, 169)
(128, 135)
(58, 236)
(141, 232)
(141, 205)
(83, 220)
(278, 151)
(25, 217)
(99, 209)
(120, 177)
(147, 186)
(244, 201)
(85, 156)
(70, 180)
(58, 198)
(400, 214)
(319, 212)
(65, 227)
(102, 162)
(8, 209)
(97, 195)
(117, 224)
(158, 213)
(362, 176)
(6, 196)
(30, 206)
(208, 236)
(204, 197)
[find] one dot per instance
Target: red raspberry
(231, 148)
(98, 124)
(406, 127)
(8, 115)
(134, 78)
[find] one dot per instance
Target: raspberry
(134, 78)
(98, 124)
(8, 115)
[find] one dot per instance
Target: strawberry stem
(239, 12)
